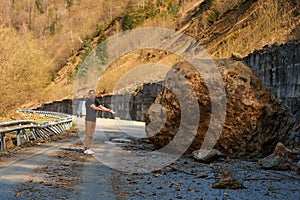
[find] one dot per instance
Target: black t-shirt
(90, 112)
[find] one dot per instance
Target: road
(125, 167)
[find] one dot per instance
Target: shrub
(25, 70)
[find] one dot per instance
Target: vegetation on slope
(227, 27)
(25, 70)
(63, 32)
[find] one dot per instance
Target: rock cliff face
(278, 66)
(254, 123)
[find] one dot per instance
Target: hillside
(67, 31)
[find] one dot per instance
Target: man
(92, 106)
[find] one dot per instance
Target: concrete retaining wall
(278, 67)
(127, 106)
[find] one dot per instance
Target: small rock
(228, 180)
(201, 175)
(211, 156)
(175, 184)
(19, 195)
(281, 159)
(157, 175)
(225, 194)
(133, 182)
(66, 164)
(29, 181)
(267, 193)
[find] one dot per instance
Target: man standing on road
(92, 106)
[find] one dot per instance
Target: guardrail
(37, 130)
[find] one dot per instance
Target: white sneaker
(88, 152)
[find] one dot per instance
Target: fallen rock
(255, 121)
(281, 159)
(211, 156)
(298, 167)
(229, 180)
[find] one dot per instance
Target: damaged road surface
(59, 170)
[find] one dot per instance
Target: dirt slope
(224, 28)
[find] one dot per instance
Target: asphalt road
(126, 167)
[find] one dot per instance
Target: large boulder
(255, 121)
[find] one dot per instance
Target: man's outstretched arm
(102, 108)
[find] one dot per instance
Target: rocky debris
(298, 167)
(281, 159)
(229, 180)
(255, 121)
(56, 180)
(211, 156)
(68, 174)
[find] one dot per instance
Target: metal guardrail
(37, 130)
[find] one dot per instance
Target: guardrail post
(33, 133)
(25, 134)
(19, 142)
(3, 141)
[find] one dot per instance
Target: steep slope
(60, 27)
(225, 27)
(222, 27)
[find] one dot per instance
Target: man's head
(92, 94)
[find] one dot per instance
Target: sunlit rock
(229, 180)
(281, 159)
(209, 157)
(255, 121)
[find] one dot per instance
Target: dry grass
(135, 68)
(64, 31)
(60, 27)
(249, 27)
(25, 70)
